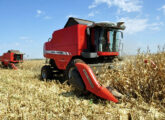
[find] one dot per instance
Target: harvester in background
(80, 48)
(11, 59)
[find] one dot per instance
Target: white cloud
(47, 17)
(23, 38)
(42, 14)
(134, 25)
(155, 26)
(137, 25)
(128, 5)
(97, 2)
(162, 9)
(39, 13)
(124, 5)
(93, 13)
(17, 44)
(26, 39)
(157, 18)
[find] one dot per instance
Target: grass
(24, 97)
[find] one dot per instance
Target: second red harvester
(11, 59)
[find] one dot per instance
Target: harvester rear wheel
(3, 65)
(46, 73)
(52, 63)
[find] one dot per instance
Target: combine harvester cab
(11, 59)
(80, 44)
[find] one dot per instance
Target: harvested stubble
(24, 96)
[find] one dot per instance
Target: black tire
(10, 66)
(53, 64)
(46, 73)
(74, 77)
(76, 80)
(71, 66)
(3, 65)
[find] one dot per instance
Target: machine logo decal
(89, 80)
(56, 52)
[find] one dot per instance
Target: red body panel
(92, 84)
(66, 43)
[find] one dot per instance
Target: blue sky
(26, 24)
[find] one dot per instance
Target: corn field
(23, 96)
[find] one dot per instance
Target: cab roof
(74, 21)
(14, 51)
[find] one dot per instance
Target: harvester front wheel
(76, 81)
(46, 73)
(73, 76)
(71, 67)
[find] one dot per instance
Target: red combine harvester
(80, 46)
(11, 59)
